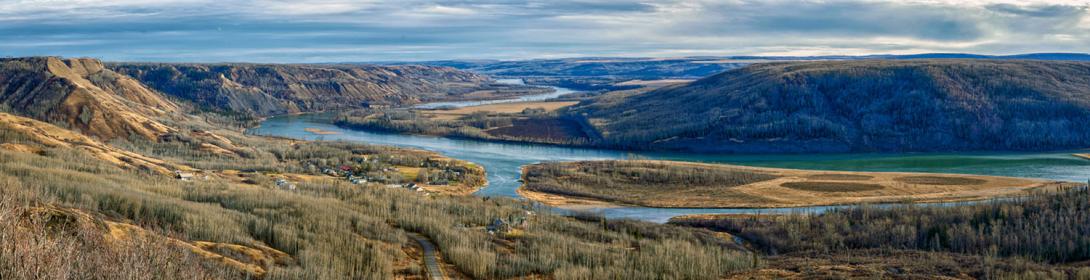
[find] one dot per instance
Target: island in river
(700, 185)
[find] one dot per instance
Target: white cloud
(447, 10)
(307, 30)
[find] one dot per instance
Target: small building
(498, 226)
(285, 184)
(374, 105)
(505, 226)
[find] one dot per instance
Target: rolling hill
(83, 95)
(270, 89)
(856, 106)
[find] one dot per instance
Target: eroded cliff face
(82, 95)
(279, 89)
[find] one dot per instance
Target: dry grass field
(681, 184)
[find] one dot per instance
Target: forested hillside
(1045, 227)
(67, 212)
(866, 105)
(268, 89)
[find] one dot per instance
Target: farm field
(682, 184)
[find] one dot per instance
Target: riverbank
(502, 161)
(668, 184)
(521, 122)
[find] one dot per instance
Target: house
(284, 184)
(498, 226)
(414, 187)
(506, 226)
(182, 175)
(375, 105)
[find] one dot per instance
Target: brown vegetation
(270, 89)
(839, 177)
(237, 219)
(535, 122)
(48, 242)
(83, 95)
(54, 137)
(681, 184)
(1009, 238)
(940, 180)
(831, 186)
(498, 108)
(903, 264)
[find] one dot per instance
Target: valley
(503, 162)
(270, 183)
(204, 199)
(544, 140)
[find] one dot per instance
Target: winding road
(430, 261)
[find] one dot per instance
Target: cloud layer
(343, 30)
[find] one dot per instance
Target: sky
(291, 31)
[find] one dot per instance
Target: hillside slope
(869, 105)
(55, 137)
(84, 95)
(269, 89)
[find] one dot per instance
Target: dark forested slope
(267, 89)
(867, 105)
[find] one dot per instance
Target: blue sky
(341, 31)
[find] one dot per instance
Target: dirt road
(431, 263)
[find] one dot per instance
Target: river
(534, 97)
(503, 161)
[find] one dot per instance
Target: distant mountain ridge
(679, 67)
(859, 106)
